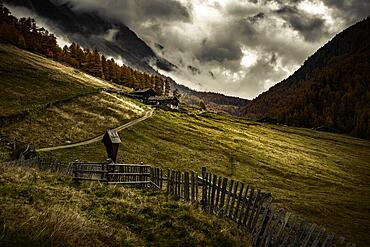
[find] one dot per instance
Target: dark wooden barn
(143, 94)
(170, 101)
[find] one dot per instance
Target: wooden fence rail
(113, 173)
(240, 202)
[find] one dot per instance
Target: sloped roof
(159, 98)
(113, 136)
(144, 90)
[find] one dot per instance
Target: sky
(235, 47)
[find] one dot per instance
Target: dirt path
(100, 137)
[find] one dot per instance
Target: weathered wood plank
(218, 190)
(196, 189)
(253, 210)
(321, 233)
(260, 202)
(186, 186)
(129, 174)
(223, 193)
(244, 203)
(328, 240)
(280, 234)
(131, 182)
(204, 187)
(298, 233)
(90, 171)
(249, 205)
(308, 236)
(274, 226)
(231, 209)
(192, 187)
(290, 230)
(228, 198)
(209, 190)
(161, 182)
(212, 204)
(260, 235)
(238, 202)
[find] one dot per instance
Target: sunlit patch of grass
(78, 120)
(40, 208)
(320, 176)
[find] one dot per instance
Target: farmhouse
(170, 101)
(143, 94)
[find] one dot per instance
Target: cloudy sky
(236, 47)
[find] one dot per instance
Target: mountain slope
(331, 89)
(90, 31)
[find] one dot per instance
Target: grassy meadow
(42, 209)
(78, 120)
(320, 176)
(29, 80)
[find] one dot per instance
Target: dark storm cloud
(310, 27)
(219, 49)
(131, 11)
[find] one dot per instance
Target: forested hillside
(25, 34)
(331, 89)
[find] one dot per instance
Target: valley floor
(320, 176)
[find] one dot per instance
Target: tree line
(25, 34)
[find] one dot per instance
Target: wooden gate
(112, 173)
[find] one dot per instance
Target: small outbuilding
(111, 142)
(144, 94)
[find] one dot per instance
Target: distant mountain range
(92, 31)
(330, 91)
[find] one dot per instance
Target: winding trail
(147, 115)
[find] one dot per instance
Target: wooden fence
(48, 164)
(240, 202)
(249, 207)
(113, 173)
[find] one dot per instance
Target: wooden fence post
(218, 193)
(161, 180)
(192, 187)
(239, 199)
(223, 193)
(228, 198)
(212, 204)
(196, 190)
(186, 186)
(244, 203)
(204, 187)
(168, 180)
(249, 205)
(230, 213)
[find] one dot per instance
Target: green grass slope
(29, 80)
(42, 209)
(77, 109)
(320, 176)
